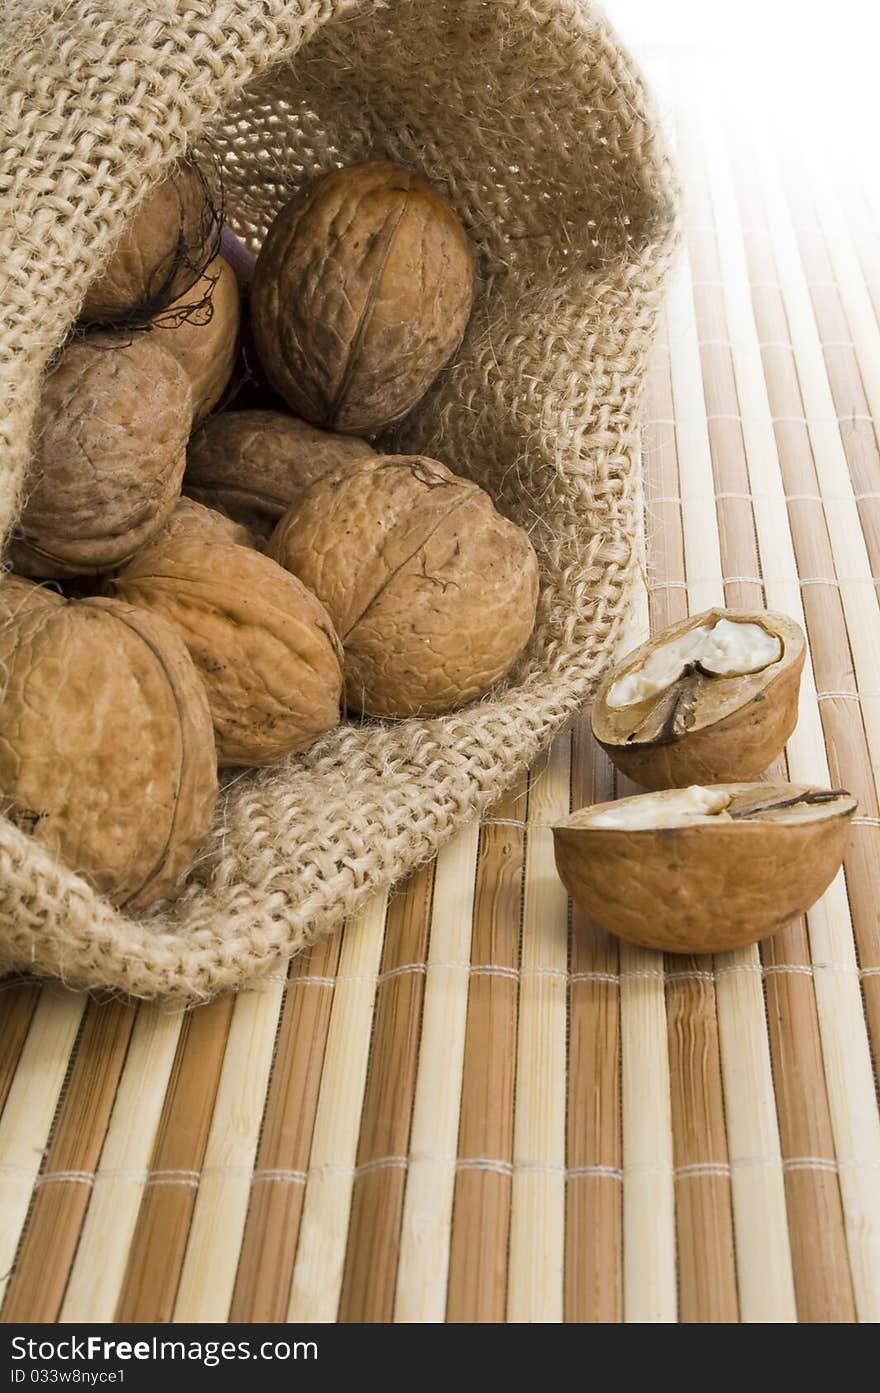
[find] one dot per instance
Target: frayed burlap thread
(535, 122)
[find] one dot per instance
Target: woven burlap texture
(535, 122)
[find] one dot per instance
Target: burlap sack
(533, 119)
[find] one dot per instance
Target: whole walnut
(109, 454)
(431, 590)
(264, 646)
(163, 250)
(361, 293)
(107, 757)
(196, 520)
(253, 464)
(201, 331)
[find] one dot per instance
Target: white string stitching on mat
(772, 343)
(678, 499)
(847, 696)
(491, 1164)
(172, 1177)
(669, 976)
(851, 417)
(279, 1174)
(766, 285)
(834, 581)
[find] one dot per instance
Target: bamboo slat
(377, 1203)
(857, 218)
(649, 1285)
(849, 363)
(594, 1191)
(537, 1220)
(422, 1274)
(320, 1254)
(483, 1183)
(265, 1267)
(208, 1275)
(708, 1280)
(30, 1108)
(98, 1268)
(19, 1001)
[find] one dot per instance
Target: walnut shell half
(702, 870)
(252, 465)
(701, 726)
(361, 293)
(431, 590)
(109, 455)
(107, 757)
(264, 646)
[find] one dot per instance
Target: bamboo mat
(472, 1105)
